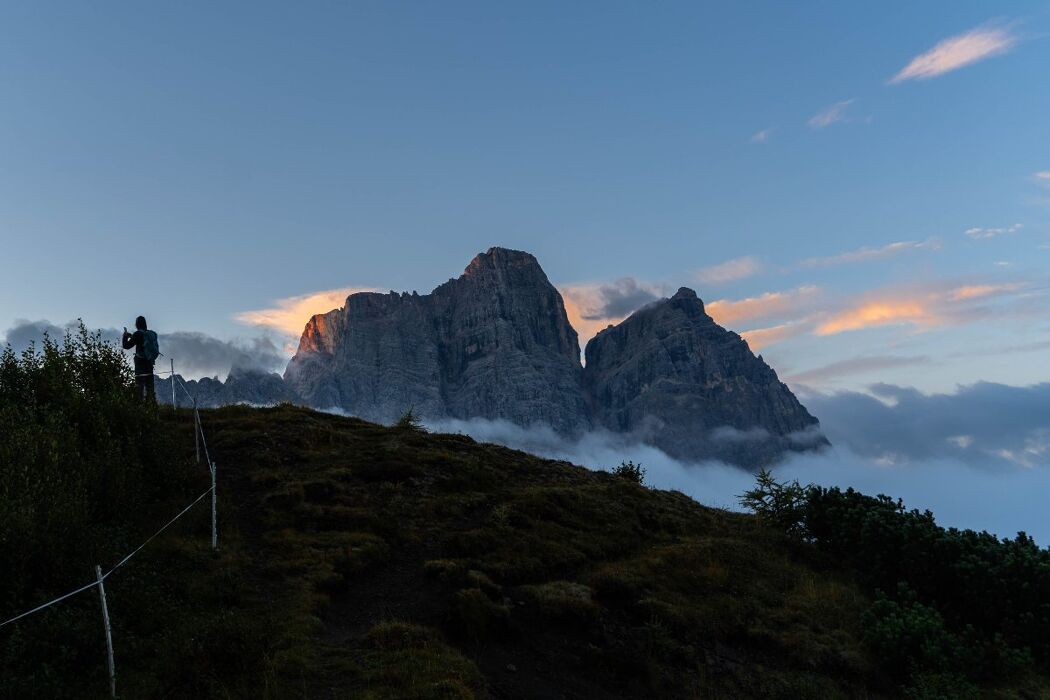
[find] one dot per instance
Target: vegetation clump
(953, 608)
(630, 471)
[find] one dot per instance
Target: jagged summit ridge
(496, 343)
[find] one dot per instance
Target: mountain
(681, 382)
(494, 343)
(242, 386)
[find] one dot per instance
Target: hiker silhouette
(146, 351)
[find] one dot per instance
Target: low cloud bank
(196, 354)
(986, 425)
(1002, 501)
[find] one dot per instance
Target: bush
(631, 472)
(962, 603)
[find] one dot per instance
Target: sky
(863, 192)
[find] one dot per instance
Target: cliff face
(672, 376)
(494, 343)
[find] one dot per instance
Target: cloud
(1000, 426)
(853, 366)
(958, 51)
(982, 233)
(730, 312)
(759, 338)
(876, 313)
(1042, 177)
(195, 354)
(834, 113)
(622, 297)
(980, 291)
(761, 136)
(201, 355)
(289, 315)
(934, 465)
(592, 307)
(867, 253)
(729, 271)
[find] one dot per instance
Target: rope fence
(100, 577)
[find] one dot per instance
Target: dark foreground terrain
(361, 561)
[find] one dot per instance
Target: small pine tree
(781, 504)
(410, 421)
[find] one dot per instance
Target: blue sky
(195, 162)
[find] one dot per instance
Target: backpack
(150, 346)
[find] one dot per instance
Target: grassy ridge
(363, 561)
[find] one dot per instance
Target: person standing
(147, 349)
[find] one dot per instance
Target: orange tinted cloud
(728, 312)
(291, 314)
(762, 337)
(978, 291)
(877, 313)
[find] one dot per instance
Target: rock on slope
(494, 343)
(679, 381)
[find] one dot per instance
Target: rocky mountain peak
(493, 343)
(672, 376)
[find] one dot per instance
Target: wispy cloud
(881, 312)
(827, 117)
(761, 136)
(731, 312)
(759, 338)
(867, 253)
(978, 233)
(290, 315)
(958, 51)
(980, 291)
(729, 271)
(1042, 177)
(820, 376)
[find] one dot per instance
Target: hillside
(364, 561)
(358, 560)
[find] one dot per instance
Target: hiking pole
(172, 378)
(109, 635)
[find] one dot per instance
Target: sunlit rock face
(494, 343)
(681, 382)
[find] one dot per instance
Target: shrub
(81, 461)
(631, 472)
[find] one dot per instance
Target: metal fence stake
(172, 378)
(196, 431)
(214, 524)
(109, 634)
